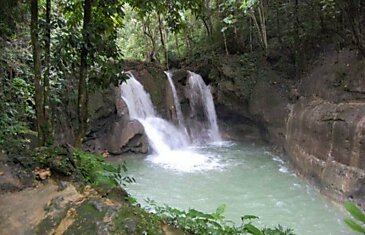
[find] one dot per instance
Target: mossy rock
(89, 219)
(134, 220)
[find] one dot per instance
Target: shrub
(87, 167)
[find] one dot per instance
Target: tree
(83, 76)
(38, 96)
(250, 7)
(47, 63)
(354, 11)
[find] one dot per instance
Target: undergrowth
(88, 168)
(196, 222)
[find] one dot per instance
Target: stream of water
(190, 167)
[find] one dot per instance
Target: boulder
(110, 127)
(127, 136)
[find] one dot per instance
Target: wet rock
(111, 131)
(62, 185)
(153, 79)
(270, 110)
(128, 136)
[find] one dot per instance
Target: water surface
(244, 177)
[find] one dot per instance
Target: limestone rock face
(325, 131)
(268, 105)
(111, 130)
(127, 136)
(326, 142)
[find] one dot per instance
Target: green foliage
(105, 58)
(197, 222)
(140, 38)
(173, 11)
(358, 215)
(87, 167)
(15, 134)
(58, 158)
(11, 13)
(98, 172)
(94, 169)
(16, 95)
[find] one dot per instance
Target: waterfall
(163, 136)
(170, 143)
(138, 101)
(179, 115)
(201, 98)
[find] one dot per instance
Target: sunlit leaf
(354, 226)
(354, 211)
(253, 230)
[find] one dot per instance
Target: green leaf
(198, 214)
(354, 211)
(253, 230)
(354, 226)
(220, 210)
(249, 217)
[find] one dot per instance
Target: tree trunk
(262, 17)
(225, 43)
(82, 92)
(163, 40)
(47, 59)
(177, 44)
(37, 72)
(296, 39)
(278, 28)
(150, 54)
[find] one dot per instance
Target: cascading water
(179, 114)
(163, 136)
(170, 144)
(204, 125)
(138, 101)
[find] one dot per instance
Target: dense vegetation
(54, 52)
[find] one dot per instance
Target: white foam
(185, 160)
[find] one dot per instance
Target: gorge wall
(318, 121)
(325, 132)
